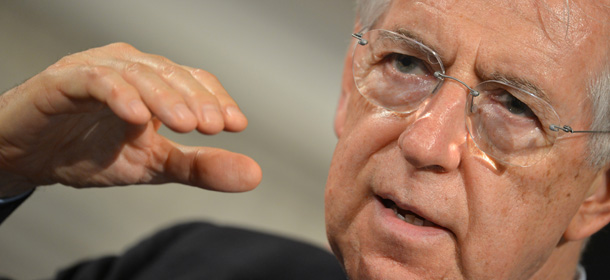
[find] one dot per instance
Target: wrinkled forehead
(564, 23)
(540, 41)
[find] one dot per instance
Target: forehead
(560, 23)
(535, 41)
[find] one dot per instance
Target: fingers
(136, 86)
(212, 169)
(233, 117)
(202, 92)
(71, 116)
(100, 82)
(164, 101)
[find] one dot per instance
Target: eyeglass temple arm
(568, 129)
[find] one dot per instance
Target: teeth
(418, 222)
(396, 212)
(410, 218)
(400, 216)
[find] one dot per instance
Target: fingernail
(137, 107)
(211, 113)
(233, 111)
(181, 111)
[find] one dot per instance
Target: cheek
(343, 200)
(346, 191)
(521, 214)
(343, 195)
(559, 188)
(367, 130)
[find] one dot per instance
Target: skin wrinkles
(357, 129)
(549, 27)
(542, 74)
(509, 7)
(415, 180)
(523, 211)
(566, 22)
(513, 79)
(347, 137)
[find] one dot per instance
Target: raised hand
(91, 120)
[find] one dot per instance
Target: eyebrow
(520, 83)
(515, 81)
(412, 36)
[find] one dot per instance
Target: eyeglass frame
(471, 91)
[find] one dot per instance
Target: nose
(436, 139)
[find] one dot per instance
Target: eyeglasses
(506, 122)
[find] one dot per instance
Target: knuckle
(159, 92)
(107, 78)
(121, 46)
(116, 91)
(65, 61)
(158, 62)
(170, 70)
(97, 72)
(135, 68)
(205, 75)
(47, 77)
(161, 60)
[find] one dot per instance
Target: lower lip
(386, 220)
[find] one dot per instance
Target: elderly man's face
(483, 219)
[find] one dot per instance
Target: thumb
(212, 168)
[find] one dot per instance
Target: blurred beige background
(280, 59)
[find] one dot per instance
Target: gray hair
(368, 11)
(599, 93)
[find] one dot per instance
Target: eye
(514, 105)
(408, 64)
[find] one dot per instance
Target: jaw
(374, 243)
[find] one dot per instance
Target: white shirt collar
(581, 274)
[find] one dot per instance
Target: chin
(380, 268)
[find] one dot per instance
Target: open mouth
(406, 215)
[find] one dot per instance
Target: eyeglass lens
(397, 73)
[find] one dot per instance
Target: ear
(594, 212)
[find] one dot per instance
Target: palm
(103, 149)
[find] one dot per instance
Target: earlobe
(594, 212)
